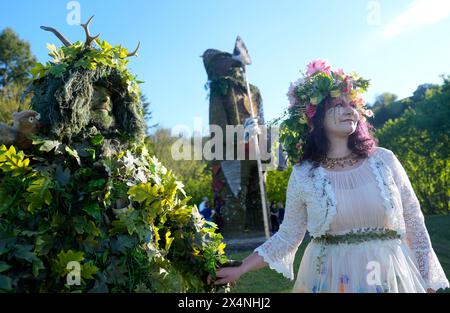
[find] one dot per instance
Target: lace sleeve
(280, 249)
(417, 236)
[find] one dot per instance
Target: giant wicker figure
(87, 208)
(235, 182)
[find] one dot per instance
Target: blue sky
(397, 44)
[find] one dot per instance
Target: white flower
(129, 160)
(140, 175)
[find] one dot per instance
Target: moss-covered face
(101, 108)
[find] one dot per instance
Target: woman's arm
(231, 274)
(417, 236)
(278, 252)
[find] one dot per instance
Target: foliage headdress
(319, 84)
(64, 87)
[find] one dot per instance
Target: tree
(420, 139)
(11, 101)
(195, 174)
(147, 113)
(16, 59)
(386, 107)
(421, 91)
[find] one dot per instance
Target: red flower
(310, 110)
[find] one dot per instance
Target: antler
(89, 39)
(60, 36)
(135, 50)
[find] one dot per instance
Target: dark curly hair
(361, 141)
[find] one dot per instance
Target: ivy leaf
(88, 269)
(62, 177)
(5, 282)
(37, 266)
(4, 266)
(63, 258)
(122, 243)
(73, 153)
(24, 252)
(168, 240)
(93, 210)
(97, 140)
(58, 70)
(39, 193)
(39, 70)
(144, 192)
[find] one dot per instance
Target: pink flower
(359, 101)
(348, 84)
(339, 72)
(318, 66)
(310, 110)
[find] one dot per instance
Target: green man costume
(87, 208)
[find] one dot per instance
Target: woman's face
(341, 119)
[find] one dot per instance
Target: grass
(267, 280)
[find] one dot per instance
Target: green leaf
(39, 194)
(37, 266)
(24, 252)
(46, 145)
(93, 210)
(58, 70)
(5, 282)
(39, 70)
(97, 140)
(73, 153)
(88, 270)
(63, 258)
(168, 240)
(62, 177)
(4, 266)
(122, 243)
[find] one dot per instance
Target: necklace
(330, 163)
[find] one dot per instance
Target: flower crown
(318, 84)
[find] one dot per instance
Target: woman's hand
(226, 275)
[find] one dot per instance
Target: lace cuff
(417, 236)
(279, 250)
(279, 255)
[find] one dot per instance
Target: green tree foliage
(11, 100)
(195, 174)
(420, 139)
(147, 111)
(276, 184)
(386, 107)
(16, 59)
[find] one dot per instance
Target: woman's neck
(338, 147)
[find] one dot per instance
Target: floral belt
(361, 235)
(352, 237)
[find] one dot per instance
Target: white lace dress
(386, 265)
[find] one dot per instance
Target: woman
(354, 198)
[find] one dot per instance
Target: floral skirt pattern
(374, 266)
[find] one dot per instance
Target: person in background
(280, 212)
(274, 217)
(207, 212)
(201, 206)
